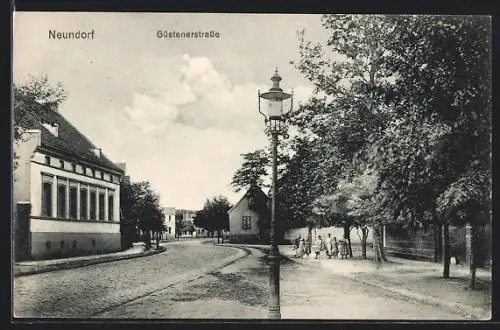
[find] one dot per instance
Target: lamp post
(274, 119)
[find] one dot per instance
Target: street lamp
(275, 120)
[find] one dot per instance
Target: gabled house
(66, 193)
(246, 224)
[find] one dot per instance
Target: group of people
(331, 247)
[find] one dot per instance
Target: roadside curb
(468, 311)
(83, 263)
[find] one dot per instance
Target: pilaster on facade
(106, 206)
(66, 200)
(88, 202)
(78, 199)
(54, 187)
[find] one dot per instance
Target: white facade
(42, 172)
(170, 221)
(75, 205)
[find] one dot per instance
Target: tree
(252, 171)
(442, 94)
(345, 209)
(33, 103)
(128, 218)
(141, 206)
(179, 223)
(408, 97)
(352, 85)
(299, 185)
(214, 215)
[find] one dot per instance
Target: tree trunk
(472, 257)
(379, 254)
(218, 236)
(364, 232)
(446, 256)
(436, 244)
(347, 236)
(147, 239)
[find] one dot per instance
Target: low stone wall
(63, 245)
(244, 239)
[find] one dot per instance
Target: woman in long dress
(319, 246)
(329, 246)
(343, 249)
(335, 248)
(299, 253)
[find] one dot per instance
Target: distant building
(169, 222)
(66, 193)
(245, 224)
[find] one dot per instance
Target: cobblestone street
(83, 292)
(240, 290)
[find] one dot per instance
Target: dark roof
(71, 142)
(259, 192)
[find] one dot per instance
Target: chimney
(53, 106)
(97, 152)
(121, 166)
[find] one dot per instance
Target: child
(319, 246)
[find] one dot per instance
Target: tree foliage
(140, 206)
(406, 97)
(33, 100)
(252, 171)
(214, 214)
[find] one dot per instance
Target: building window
(61, 201)
(61, 163)
(102, 175)
(72, 202)
(47, 245)
(83, 203)
(74, 245)
(110, 208)
(93, 173)
(47, 160)
(63, 244)
(169, 230)
(246, 223)
(93, 205)
(101, 207)
(93, 242)
(84, 169)
(47, 199)
(73, 167)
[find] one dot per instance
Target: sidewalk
(25, 268)
(416, 280)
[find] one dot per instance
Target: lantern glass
(275, 108)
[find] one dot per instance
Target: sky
(178, 112)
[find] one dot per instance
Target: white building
(170, 221)
(245, 224)
(66, 194)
